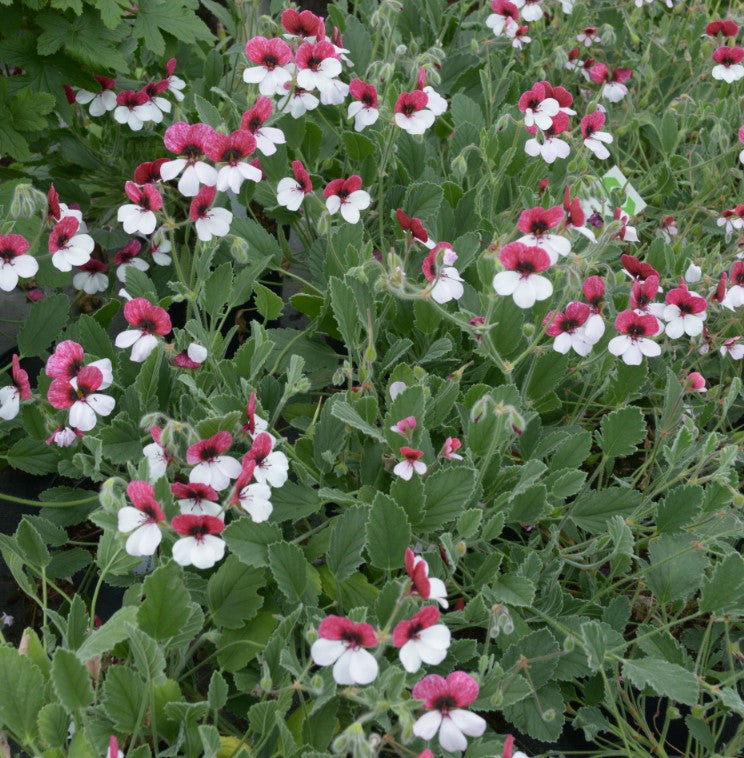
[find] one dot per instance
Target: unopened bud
(460, 165)
(265, 683)
(461, 548)
(528, 329)
(569, 644)
(26, 202)
(693, 274)
(240, 250)
(316, 682)
(549, 715)
(400, 50)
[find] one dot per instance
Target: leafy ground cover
(382, 368)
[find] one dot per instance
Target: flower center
(525, 268)
(198, 531)
(409, 109)
(568, 324)
(352, 639)
(444, 703)
(146, 325)
(314, 63)
(270, 62)
(635, 331)
(367, 100)
(208, 453)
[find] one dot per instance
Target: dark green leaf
(71, 680)
(44, 322)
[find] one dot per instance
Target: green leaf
(71, 681)
(529, 717)
(448, 492)
(32, 456)
(232, 593)
(148, 656)
(250, 541)
(423, 200)
(94, 338)
(344, 311)
(44, 322)
(21, 702)
(28, 108)
(156, 17)
(593, 511)
(358, 147)
(679, 508)
(32, 545)
(664, 678)
(165, 608)
(347, 542)
(358, 40)
(216, 292)
(208, 114)
(388, 533)
(514, 590)
(53, 722)
(217, 692)
(268, 303)
(677, 567)
(344, 412)
(111, 11)
(621, 431)
(598, 637)
(723, 591)
(290, 569)
(466, 111)
(122, 698)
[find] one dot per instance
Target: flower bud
(549, 715)
(569, 644)
(26, 201)
(460, 165)
(461, 548)
(528, 329)
(497, 698)
(316, 682)
(400, 51)
(239, 249)
(265, 683)
(693, 274)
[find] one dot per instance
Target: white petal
(648, 347)
(101, 404)
(129, 519)
(171, 169)
(82, 416)
(409, 656)
(182, 550)
(363, 667)
(325, 652)
(143, 347)
(127, 338)
(618, 345)
(450, 736)
(341, 673)
(468, 722)
(427, 725)
(505, 282)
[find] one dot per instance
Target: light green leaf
(268, 303)
(347, 542)
(21, 702)
(593, 511)
(123, 694)
(289, 568)
(513, 590)
(448, 492)
(344, 311)
(71, 681)
(53, 722)
(250, 541)
(679, 508)
(344, 412)
(388, 533)
(621, 431)
(44, 322)
(677, 567)
(664, 678)
(217, 692)
(723, 591)
(165, 608)
(598, 637)
(232, 593)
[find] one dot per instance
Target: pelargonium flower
(614, 88)
(232, 150)
(538, 108)
(726, 28)
(175, 83)
(255, 498)
(113, 750)
(338, 46)
(196, 499)
(447, 282)
(569, 328)
(594, 139)
(428, 588)
(627, 233)
(574, 62)
(695, 381)
(297, 101)
(156, 455)
(132, 109)
(143, 520)
(269, 56)
(68, 360)
(341, 644)
(437, 104)
(642, 294)
(421, 639)
(575, 217)
(732, 219)
(588, 35)
(445, 701)
(272, 466)
(68, 246)
(199, 546)
(189, 141)
(636, 269)
(304, 24)
(518, 35)
(149, 322)
(411, 113)
(410, 463)
(634, 342)
(148, 172)
(451, 444)
(508, 751)
(593, 289)
(413, 225)
(98, 102)
(741, 139)
(693, 273)
(81, 396)
(562, 95)
(364, 108)
(317, 65)
(552, 147)
(128, 257)
(210, 222)
(14, 262)
(63, 436)
(684, 313)
(347, 196)
(267, 137)
(90, 278)
(139, 217)
(504, 14)
(191, 358)
(12, 394)
(668, 228)
(157, 105)
(254, 425)
(290, 192)
(57, 210)
(531, 9)
(729, 68)
(733, 347)
(735, 296)
(405, 426)
(211, 467)
(522, 278)
(536, 224)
